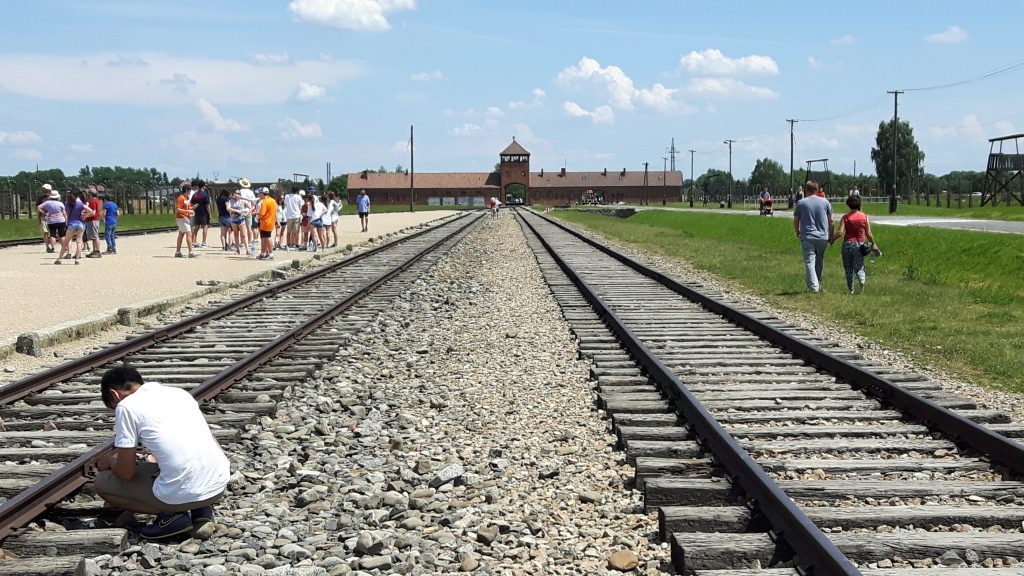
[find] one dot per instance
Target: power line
(1001, 70)
(866, 106)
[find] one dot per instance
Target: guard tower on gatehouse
(817, 170)
(515, 168)
(1004, 170)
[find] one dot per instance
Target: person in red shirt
(183, 216)
(92, 223)
(855, 230)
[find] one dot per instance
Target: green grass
(25, 228)
(1002, 212)
(951, 299)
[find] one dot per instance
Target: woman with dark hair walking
(858, 242)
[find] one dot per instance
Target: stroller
(766, 206)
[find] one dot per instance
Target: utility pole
(646, 195)
(792, 141)
(672, 154)
(692, 179)
(895, 131)
(729, 142)
(412, 174)
(664, 180)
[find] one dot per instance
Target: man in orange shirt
(183, 215)
(268, 219)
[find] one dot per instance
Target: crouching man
(186, 471)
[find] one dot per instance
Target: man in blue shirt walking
(812, 222)
(363, 207)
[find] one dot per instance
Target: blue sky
(265, 89)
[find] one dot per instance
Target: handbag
(866, 248)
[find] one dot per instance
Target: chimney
(604, 172)
(541, 172)
(562, 173)
(623, 172)
(364, 175)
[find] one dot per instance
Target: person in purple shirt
(53, 215)
(76, 210)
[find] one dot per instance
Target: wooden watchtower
(1003, 169)
(822, 176)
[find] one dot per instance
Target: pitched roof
(515, 148)
(610, 179)
(454, 180)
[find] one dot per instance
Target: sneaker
(302, 248)
(269, 257)
(50, 250)
(77, 261)
(94, 255)
(193, 255)
(67, 256)
(167, 525)
(179, 255)
(201, 516)
(57, 261)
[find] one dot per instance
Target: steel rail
(36, 382)
(817, 554)
(136, 232)
(992, 444)
(28, 504)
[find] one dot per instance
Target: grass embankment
(1011, 213)
(23, 228)
(952, 299)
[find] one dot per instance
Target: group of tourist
(815, 227)
(75, 220)
(297, 220)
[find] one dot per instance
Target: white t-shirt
(332, 210)
(292, 206)
(168, 423)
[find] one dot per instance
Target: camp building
(515, 178)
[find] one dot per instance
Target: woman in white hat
(53, 214)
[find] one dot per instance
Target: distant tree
(399, 169)
(339, 185)
(714, 182)
(382, 170)
(908, 161)
(768, 172)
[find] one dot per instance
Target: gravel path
(458, 434)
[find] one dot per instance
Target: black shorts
(202, 219)
(58, 230)
(266, 233)
(364, 214)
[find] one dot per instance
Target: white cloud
(214, 148)
(308, 92)
(813, 63)
(127, 60)
(844, 40)
(215, 119)
(427, 76)
(618, 85)
(349, 14)
(950, 35)
(621, 91)
(465, 130)
(728, 88)
(270, 59)
(292, 128)
(494, 112)
(968, 127)
(28, 154)
(538, 101)
(165, 80)
(81, 147)
(600, 115)
(713, 62)
(19, 137)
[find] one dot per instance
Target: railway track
(247, 354)
(761, 445)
